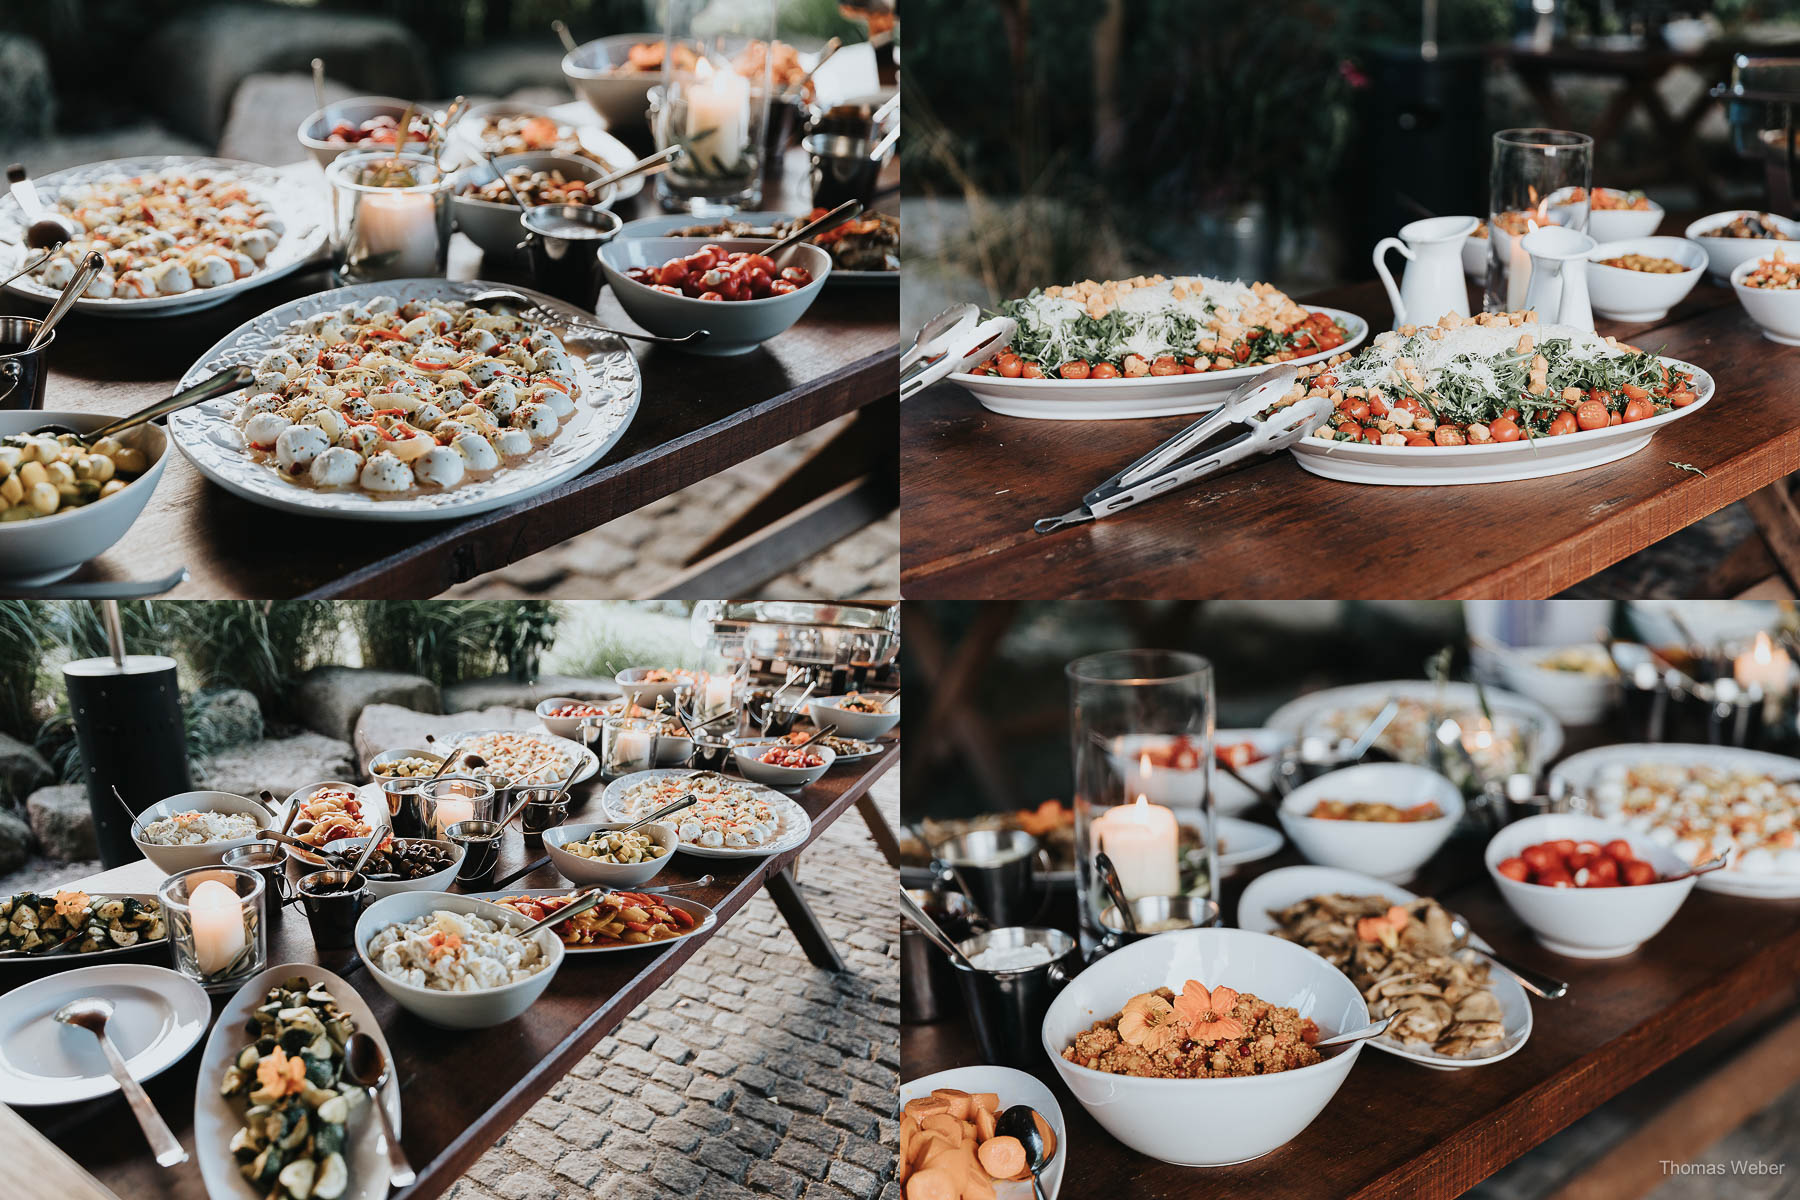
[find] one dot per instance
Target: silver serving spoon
(1375, 728)
(229, 380)
(91, 265)
(1536, 982)
(500, 295)
(1710, 865)
(674, 806)
(1109, 875)
(28, 268)
(46, 230)
(92, 1013)
(104, 589)
(909, 908)
(827, 731)
(703, 882)
(567, 911)
(825, 52)
(568, 39)
(849, 210)
(1020, 1121)
(365, 1066)
(517, 197)
(650, 165)
(368, 851)
(1364, 1033)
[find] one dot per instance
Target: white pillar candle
(1141, 839)
(403, 225)
(1518, 268)
(218, 920)
(717, 696)
(718, 118)
(632, 748)
(449, 812)
(1764, 665)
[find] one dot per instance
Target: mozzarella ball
(476, 451)
(553, 398)
(335, 467)
(511, 443)
(539, 420)
(171, 278)
(298, 445)
(264, 428)
(210, 270)
(385, 473)
(440, 467)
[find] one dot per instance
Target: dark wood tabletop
(697, 417)
(975, 481)
(460, 1090)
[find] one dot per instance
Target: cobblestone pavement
(750, 1073)
(638, 554)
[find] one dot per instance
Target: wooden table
(461, 1091)
(697, 417)
(975, 481)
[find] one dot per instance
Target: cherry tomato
(1372, 436)
(1682, 399)
(1514, 868)
(1541, 858)
(797, 275)
(1620, 849)
(1351, 430)
(1073, 370)
(759, 262)
(1165, 364)
(1010, 366)
(1505, 429)
(1563, 846)
(782, 287)
(672, 273)
(1511, 414)
(1555, 878)
(1415, 438)
(1448, 435)
(1639, 408)
(1637, 873)
(1603, 872)
(1103, 371)
(701, 260)
(1564, 423)
(1356, 410)
(1579, 860)
(1032, 371)
(1589, 414)
(1587, 847)
(1633, 392)
(709, 296)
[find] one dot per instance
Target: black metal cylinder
(128, 723)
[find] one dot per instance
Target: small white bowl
(1624, 295)
(672, 749)
(1776, 311)
(787, 779)
(174, 859)
(1588, 922)
(494, 226)
(388, 756)
(1387, 850)
(864, 727)
(564, 727)
(734, 326)
(1013, 1087)
(1177, 788)
(1574, 697)
(623, 98)
(355, 110)
(1612, 224)
(44, 549)
(437, 881)
(589, 872)
(1207, 1122)
(645, 695)
(454, 1010)
(1723, 254)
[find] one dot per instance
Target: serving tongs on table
(1185, 457)
(954, 340)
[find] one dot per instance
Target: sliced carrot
(1045, 1132)
(1002, 1157)
(991, 1100)
(952, 1129)
(924, 1106)
(984, 1124)
(958, 1101)
(935, 1183)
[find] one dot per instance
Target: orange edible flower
(1149, 1023)
(71, 904)
(281, 1074)
(1385, 928)
(1207, 1014)
(443, 943)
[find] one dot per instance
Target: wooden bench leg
(803, 921)
(879, 829)
(1778, 520)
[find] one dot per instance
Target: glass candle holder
(716, 694)
(452, 798)
(713, 102)
(627, 744)
(217, 924)
(390, 216)
(401, 794)
(1530, 180)
(1141, 737)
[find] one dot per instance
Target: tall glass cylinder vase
(713, 102)
(1536, 177)
(1141, 735)
(390, 216)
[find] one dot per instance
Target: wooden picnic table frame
(461, 1090)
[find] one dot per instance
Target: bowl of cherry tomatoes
(1586, 887)
(362, 123)
(741, 297)
(780, 764)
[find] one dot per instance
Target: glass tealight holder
(452, 798)
(1532, 178)
(390, 216)
(627, 744)
(401, 794)
(217, 926)
(713, 102)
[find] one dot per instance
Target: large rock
(15, 842)
(328, 700)
(502, 690)
(22, 769)
(234, 714)
(63, 821)
(27, 97)
(281, 765)
(390, 727)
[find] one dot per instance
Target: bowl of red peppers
(730, 288)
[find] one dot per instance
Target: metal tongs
(1180, 460)
(954, 340)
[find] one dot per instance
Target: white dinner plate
(375, 813)
(1242, 841)
(158, 1015)
(796, 826)
(1578, 771)
(704, 917)
(661, 226)
(610, 385)
(1299, 715)
(300, 203)
(587, 763)
(217, 1118)
(1290, 885)
(1149, 396)
(66, 955)
(1013, 1087)
(1494, 462)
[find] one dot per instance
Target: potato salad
(400, 397)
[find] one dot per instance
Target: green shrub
(447, 641)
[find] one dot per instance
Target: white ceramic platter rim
(1297, 714)
(1252, 915)
(611, 387)
(586, 761)
(1244, 841)
(216, 1118)
(705, 917)
(298, 202)
(1013, 1087)
(66, 955)
(794, 819)
(188, 1011)
(659, 226)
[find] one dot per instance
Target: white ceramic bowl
(865, 727)
(787, 779)
(1588, 922)
(622, 98)
(1723, 254)
(1623, 295)
(437, 881)
(1777, 311)
(1577, 698)
(589, 872)
(1207, 1122)
(736, 326)
(645, 695)
(388, 756)
(1187, 788)
(1613, 224)
(1387, 850)
(173, 859)
(1013, 1087)
(454, 1010)
(495, 227)
(44, 549)
(355, 110)
(672, 749)
(563, 727)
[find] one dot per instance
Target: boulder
(501, 68)
(63, 822)
(328, 700)
(27, 96)
(281, 765)
(15, 842)
(502, 690)
(234, 714)
(390, 727)
(22, 769)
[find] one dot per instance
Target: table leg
(1778, 520)
(879, 829)
(802, 920)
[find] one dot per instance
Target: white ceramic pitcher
(1558, 289)
(1433, 284)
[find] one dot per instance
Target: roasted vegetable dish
(35, 924)
(620, 919)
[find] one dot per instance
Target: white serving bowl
(1588, 922)
(1575, 697)
(437, 881)
(1207, 1122)
(1613, 224)
(495, 227)
(388, 756)
(622, 98)
(1013, 1087)
(589, 872)
(672, 749)
(174, 859)
(864, 727)
(563, 727)
(1187, 788)
(1387, 850)
(1723, 254)
(645, 695)
(355, 110)
(1623, 295)
(787, 779)
(735, 326)
(454, 1010)
(44, 549)
(1777, 311)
